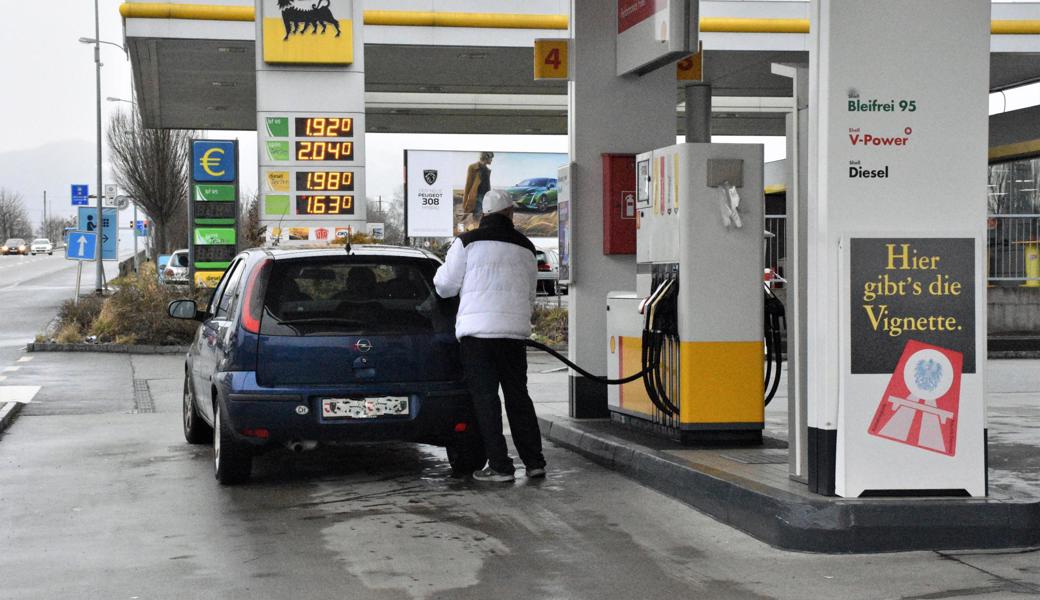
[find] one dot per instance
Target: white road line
(22, 394)
(10, 369)
(25, 359)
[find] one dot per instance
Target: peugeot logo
(362, 345)
(430, 175)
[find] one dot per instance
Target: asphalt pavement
(100, 497)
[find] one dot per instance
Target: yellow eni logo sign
(308, 32)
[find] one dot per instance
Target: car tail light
(461, 427)
(259, 433)
(544, 266)
(255, 288)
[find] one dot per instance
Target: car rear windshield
(355, 295)
(41, 241)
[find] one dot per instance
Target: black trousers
(488, 363)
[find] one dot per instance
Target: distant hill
(53, 167)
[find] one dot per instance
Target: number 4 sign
(550, 59)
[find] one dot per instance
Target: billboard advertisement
(444, 190)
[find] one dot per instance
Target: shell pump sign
(308, 31)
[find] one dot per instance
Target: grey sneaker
(490, 474)
(538, 472)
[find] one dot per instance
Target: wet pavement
(110, 502)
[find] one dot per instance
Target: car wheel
(466, 454)
(232, 460)
(196, 431)
(542, 203)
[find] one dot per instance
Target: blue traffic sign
(141, 228)
(82, 245)
(213, 160)
(88, 222)
(80, 194)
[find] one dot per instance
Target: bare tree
(152, 166)
(53, 228)
(391, 215)
(250, 231)
(14, 218)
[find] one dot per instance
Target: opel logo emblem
(362, 346)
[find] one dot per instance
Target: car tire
(196, 431)
(466, 455)
(232, 459)
(541, 204)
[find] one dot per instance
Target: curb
(8, 414)
(105, 348)
(793, 522)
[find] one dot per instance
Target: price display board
(311, 171)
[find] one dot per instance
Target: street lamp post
(99, 281)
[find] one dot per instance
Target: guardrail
(1010, 241)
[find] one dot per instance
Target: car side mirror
(185, 309)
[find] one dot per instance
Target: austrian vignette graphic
(904, 289)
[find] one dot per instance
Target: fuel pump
(694, 338)
(697, 325)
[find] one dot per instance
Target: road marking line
(25, 359)
(10, 369)
(23, 394)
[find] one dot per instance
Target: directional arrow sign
(82, 245)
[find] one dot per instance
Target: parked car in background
(538, 193)
(15, 246)
(548, 271)
(41, 246)
(301, 347)
(176, 270)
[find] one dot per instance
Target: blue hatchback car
(298, 348)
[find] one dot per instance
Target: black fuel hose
(599, 378)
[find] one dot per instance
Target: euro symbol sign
(207, 162)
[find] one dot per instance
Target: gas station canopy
(471, 71)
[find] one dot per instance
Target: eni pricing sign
(213, 160)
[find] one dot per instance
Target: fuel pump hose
(599, 378)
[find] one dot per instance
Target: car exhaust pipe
(299, 446)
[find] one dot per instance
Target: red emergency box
(619, 203)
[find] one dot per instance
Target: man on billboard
(478, 183)
(493, 271)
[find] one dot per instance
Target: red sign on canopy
(633, 12)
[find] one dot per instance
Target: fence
(1008, 239)
(776, 246)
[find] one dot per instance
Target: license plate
(364, 408)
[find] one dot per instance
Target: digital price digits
(325, 181)
(324, 151)
(324, 127)
(324, 205)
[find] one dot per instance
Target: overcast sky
(48, 104)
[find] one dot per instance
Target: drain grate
(143, 397)
(758, 457)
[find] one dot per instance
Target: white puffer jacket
(494, 272)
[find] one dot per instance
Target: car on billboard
(307, 347)
(536, 193)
